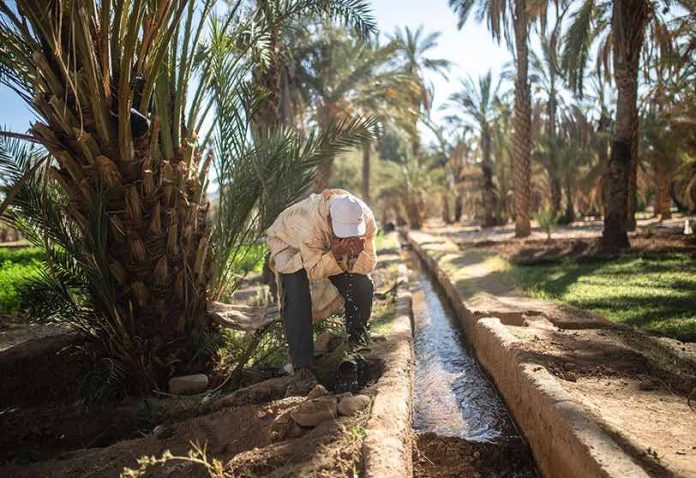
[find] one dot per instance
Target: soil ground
(452, 457)
(51, 439)
(637, 387)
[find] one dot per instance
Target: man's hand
(346, 250)
(355, 245)
(351, 246)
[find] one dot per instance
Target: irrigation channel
(460, 420)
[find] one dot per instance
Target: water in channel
(456, 407)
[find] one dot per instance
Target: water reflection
(454, 396)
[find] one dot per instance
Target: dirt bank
(238, 429)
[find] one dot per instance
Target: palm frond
(578, 41)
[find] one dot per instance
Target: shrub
(547, 220)
(16, 266)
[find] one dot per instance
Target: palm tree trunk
(603, 155)
(325, 170)
(657, 200)
(365, 187)
(569, 215)
(556, 193)
(268, 80)
(446, 216)
(629, 18)
(324, 176)
(521, 149)
(413, 213)
(488, 187)
(633, 183)
(664, 198)
(458, 207)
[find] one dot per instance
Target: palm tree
(621, 25)
(498, 16)
(477, 103)
(109, 84)
(414, 48)
(117, 194)
(412, 176)
(342, 76)
(547, 77)
(272, 73)
(577, 135)
(450, 157)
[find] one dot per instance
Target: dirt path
(634, 386)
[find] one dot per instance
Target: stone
(313, 412)
(350, 405)
(188, 384)
(284, 417)
(162, 431)
(378, 338)
(318, 391)
(295, 431)
(282, 425)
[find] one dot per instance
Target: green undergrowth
(249, 258)
(656, 293)
(16, 266)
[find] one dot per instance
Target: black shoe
(352, 375)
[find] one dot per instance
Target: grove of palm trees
(323, 238)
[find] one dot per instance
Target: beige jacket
(300, 238)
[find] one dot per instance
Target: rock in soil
(317, 391)
(282, 425)
(163, 431)
(296, 431)
(350, 405)
(188, 384)
(313, 412)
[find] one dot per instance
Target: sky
(471, 50)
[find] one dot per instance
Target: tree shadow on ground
(655, 294)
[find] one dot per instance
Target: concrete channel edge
(387, 445)
(565, 440)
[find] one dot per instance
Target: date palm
(501, 16)
(412, 176)
(618, 29)
(342, 76)
(475, 106)
(117, 193)
(108, 82)
(414, 48)
(547, 78)
(282, 20)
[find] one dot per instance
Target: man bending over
(322, 249)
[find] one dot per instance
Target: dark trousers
(357, 291)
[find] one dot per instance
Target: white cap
(347, 216)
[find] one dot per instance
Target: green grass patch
(386, 242)
(656, 294)
(16, 266)
(249, 258)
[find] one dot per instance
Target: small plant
(263, 297)
(547, 220)
(197, 455)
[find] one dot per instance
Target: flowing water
(455, 404)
